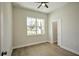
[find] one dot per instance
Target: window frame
(36, 27)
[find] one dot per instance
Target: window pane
(39, 30)
(38, 22)
(31, 26)
(31, 21)
(31, 32)
(40, 26)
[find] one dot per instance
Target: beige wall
(20, 37)
(69, 15)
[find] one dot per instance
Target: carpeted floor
(44, 49)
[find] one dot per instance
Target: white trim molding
(29, 44)
(69, 49)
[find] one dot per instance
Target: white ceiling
(33, 5)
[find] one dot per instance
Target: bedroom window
(35, 26)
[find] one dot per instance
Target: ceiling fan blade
(39, 6)
(46, 5)
(46, 2)
(41, 2)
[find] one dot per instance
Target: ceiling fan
(44, 4)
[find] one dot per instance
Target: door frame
(59, 31)
(2, 27)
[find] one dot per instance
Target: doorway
(55, 33)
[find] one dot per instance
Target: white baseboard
(29, 44)
(71, 50)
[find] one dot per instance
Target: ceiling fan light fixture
(43, 4)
